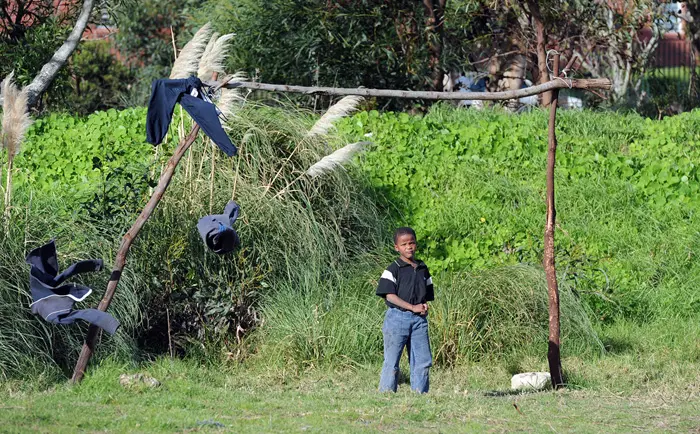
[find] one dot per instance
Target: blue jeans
(405, 329)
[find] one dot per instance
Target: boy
(407, 287)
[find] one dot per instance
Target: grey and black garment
(217, 230)
(53, 300)
(412, 285)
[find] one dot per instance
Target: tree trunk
(553, 353)
(435, 24)
(49, 71)
(693, 81)
(513, 79)
(692, 20)
(542, 73)
(128, 239)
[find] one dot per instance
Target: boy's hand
(421, 309)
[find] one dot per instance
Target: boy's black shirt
(412, 285)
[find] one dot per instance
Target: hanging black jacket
(188, 92)
(217, 230)
(53, 300)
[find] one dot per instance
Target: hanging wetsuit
(54, 301)
(217, 230)
(188, 92)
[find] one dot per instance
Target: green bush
(472, 184)
(99, 79)
(186, 299)
(494, 314)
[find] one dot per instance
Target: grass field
(472, 399)
(648, 381)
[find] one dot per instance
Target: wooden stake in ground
(553, 353)
(128, 239)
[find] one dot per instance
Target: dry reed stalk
(185, 65)
(246, 137)
(15, 122)
(201, 160)
(211, 178)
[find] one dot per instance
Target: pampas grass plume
(187, 62)
(338, 110)
(214, 56)
(232, 99)
(15, 119)
(337, 158)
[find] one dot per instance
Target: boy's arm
(415, 308)
(429, 291)
(387, 283)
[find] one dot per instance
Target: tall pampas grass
(232, 99)
(187, 63)
(321, 128)
(214, 56)
(342, 108)
(336, 159)
(15, 122)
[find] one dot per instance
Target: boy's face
(406, 245)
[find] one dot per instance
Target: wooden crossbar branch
(558, 83)
(185, 143)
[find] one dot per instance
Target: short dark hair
(404, 230)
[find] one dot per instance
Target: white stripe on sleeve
(429, 281)
(388, 276)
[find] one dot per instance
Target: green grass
(302, 285)
(649, 380)
(474, 398)
(496, 313)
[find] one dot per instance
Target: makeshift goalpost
(553, 86)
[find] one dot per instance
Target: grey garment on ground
(217, 230)
(54, 300)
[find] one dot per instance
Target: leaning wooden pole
(120, 261)
(553, 353)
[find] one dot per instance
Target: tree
(605, 36)
(145, 39)
(373, 43)
(30, 32)
(50, 70)
(435, 30)
(612, 43)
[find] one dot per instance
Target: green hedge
(472, 184)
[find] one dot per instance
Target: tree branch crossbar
(557, 83)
